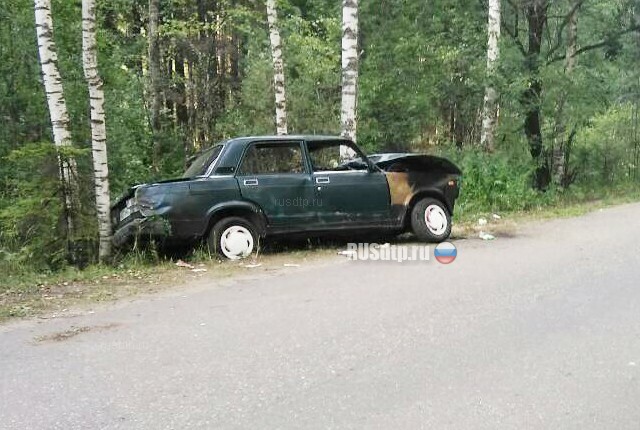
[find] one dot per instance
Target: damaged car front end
(145, 211)
(138, 215)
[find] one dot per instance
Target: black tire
(436, 232)
(221, 231)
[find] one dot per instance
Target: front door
(274, 176)
(349, 192)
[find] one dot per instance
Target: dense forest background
(568, 80)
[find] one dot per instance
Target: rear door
(274, 176)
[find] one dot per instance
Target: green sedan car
(246, 189)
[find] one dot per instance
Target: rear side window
(202, 162)
(269, 159)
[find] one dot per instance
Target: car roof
(287, 138)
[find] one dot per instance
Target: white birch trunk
(155, 76)
(57, 106)
(348, 116)
(278, 68)
(98, 126)
(490, 108)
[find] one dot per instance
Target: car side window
(269, 159)
(334, 156)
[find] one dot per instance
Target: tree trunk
(221, 41)
(182, 115)
(155, 76)
(57, 109)
(182, 110)
(278, 68)
(236, 78)
(559, 154)
(234, 60)
(136, 62)
(98, 126)
(490, 108)
(207, 76)
(536, 11)
(170, 92)
(348, 117)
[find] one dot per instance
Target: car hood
(415, 162)
(132, 191)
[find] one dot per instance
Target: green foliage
(312, 62)
(607, 152)
(31, 231)
(420, 74)
(312, 55)
(251, 115)
(496, 183)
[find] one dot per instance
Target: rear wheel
(430, 220)
(234, 238)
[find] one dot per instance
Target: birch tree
(490, 108)
(155, 75)
(278, 68)
(98, 126)
(348, 116)
(57, 105)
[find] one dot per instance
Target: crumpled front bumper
(140, 228)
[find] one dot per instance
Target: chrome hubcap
(436, 220)
(236, 242)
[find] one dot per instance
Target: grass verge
(49, 295)
(56, 294)
(566, 205)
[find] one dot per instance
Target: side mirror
(372, 168)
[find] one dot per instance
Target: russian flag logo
(446, 253)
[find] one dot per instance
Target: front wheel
(430, 220)
(234, 238)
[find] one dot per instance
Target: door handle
(251, 182)
(322, 180)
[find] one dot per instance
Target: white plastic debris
(181, 263)
(486, 236)
(496, 216)
(482, 222)
(291, 265)
(198, 270)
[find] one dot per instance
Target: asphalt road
(538, 331)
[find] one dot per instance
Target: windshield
(202, 162)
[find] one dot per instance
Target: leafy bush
(496, 183)
(607, 151)
(31, 231)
